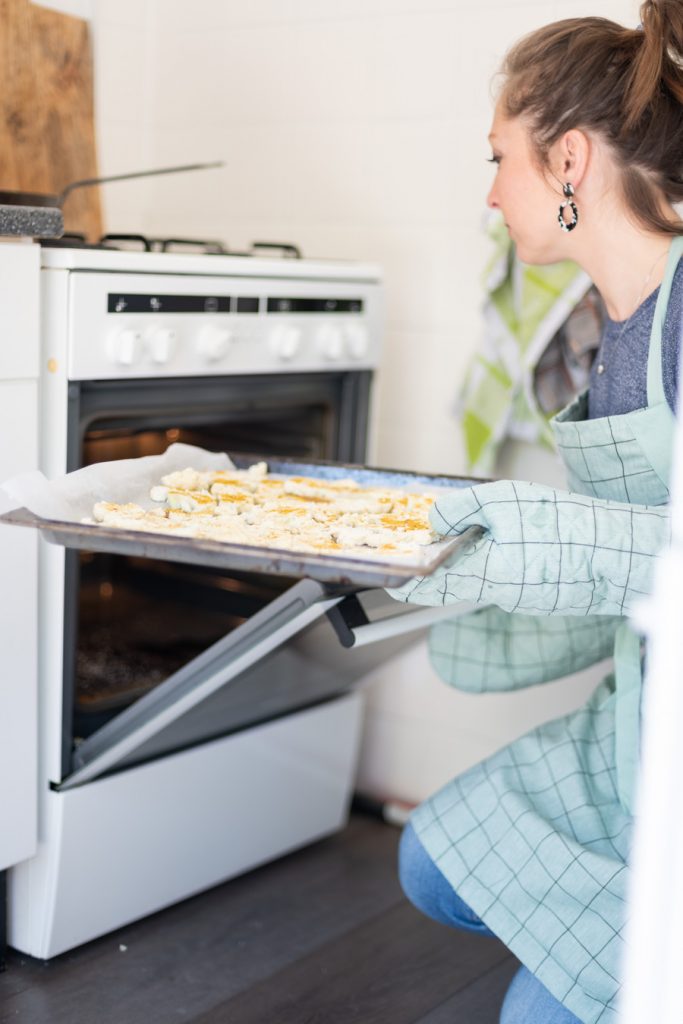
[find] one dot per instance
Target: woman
(532, 845)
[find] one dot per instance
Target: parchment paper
(70, 498)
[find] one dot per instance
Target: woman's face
(526, 197)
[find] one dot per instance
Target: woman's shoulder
(671, 337)
(675, 307)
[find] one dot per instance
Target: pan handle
(87, 182)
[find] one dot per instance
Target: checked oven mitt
(491, 651)
(543, 551)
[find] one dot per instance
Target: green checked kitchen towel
(525, 308)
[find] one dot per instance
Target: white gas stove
(236, 353)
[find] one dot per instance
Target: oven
(130, 623)
(164, 768)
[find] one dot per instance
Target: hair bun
(658, 61)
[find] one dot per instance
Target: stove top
(143, 243)
(136, 254)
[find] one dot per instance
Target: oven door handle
(354, 629)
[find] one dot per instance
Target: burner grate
(74, 240)
(141, 243)
(180, 245)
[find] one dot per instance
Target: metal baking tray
(345, 571)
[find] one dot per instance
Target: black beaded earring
(568, 225)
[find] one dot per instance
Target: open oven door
(307, 646)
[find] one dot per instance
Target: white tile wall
(420, 733)
(356, 128)
(76, 8)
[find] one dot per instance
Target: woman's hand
(543, 551)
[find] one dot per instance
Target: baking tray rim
(224, 555)
(341, 569)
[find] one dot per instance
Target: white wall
(355, 128)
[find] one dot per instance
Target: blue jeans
(527, 1001)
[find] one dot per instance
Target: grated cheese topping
(293, 513)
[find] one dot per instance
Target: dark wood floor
(323, 936)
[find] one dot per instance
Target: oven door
(302, 649)
(216, 693)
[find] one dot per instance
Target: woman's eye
(493, 159)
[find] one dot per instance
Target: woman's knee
(527, 1001)
(429, 890)
(413, 869)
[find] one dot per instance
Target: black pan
(57, 201)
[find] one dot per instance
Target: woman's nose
(491, 200)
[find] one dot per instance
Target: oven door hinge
(347, 616)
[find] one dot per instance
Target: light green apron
(536, 838)
(625, 458)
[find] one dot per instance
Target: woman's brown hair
(625, 85)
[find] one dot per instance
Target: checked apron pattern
(536, 838)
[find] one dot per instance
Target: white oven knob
(124, 347)
(213, 342)
(357, 341)
(285, 341)
(330, 342)
(160, 344)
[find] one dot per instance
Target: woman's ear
(571, 155)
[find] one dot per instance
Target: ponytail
(658, 63)
(625, 85)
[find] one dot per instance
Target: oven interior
(131, 622)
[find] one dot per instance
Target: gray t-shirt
(622, 387)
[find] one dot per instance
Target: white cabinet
(19, 358)
(19, 313)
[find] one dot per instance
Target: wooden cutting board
(47, 124)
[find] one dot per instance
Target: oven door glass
(286, 657)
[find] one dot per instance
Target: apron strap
(628, 679)
(655, 381)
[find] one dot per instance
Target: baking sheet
(57, 508)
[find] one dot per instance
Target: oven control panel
(150, 325)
